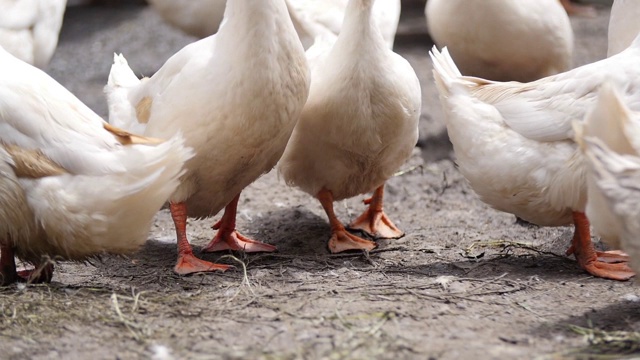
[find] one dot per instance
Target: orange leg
(580, 10)
(341, 240)
(228, 238)
(374, 221)
(608, 265)
(187, 263)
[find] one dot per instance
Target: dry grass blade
(409, 170)
(606, 344)
(137, 331)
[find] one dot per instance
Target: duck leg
(608, 265)
(374, 221)
(228, 238)
(580, 10)
(187, 263)
(341, 239)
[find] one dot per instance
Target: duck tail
(85, 215)
(122, 81)
(445, 71)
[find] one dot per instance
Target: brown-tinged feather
(32, 164)
(127, 138)
(143, 110)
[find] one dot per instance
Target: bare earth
(465, 282)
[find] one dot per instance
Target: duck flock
(314, 89)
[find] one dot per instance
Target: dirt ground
(465, 282)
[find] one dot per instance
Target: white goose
(236, 97)
(29, 28)
(610, 139)
(71, 185)
(503, 40)
(359, 125)
(513, 142)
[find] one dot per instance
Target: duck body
(610, 140)
(502, 40)
(360, 122)
(235, 97)
(353, 135)
(514, 141)
(29, 28)
(199, 18)
(71, 186)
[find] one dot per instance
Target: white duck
(71, 185)
(236, 97)
(29, 28)
(503, 40)
(513, 142)
(359, 125)
(610, 139)
(199, 18)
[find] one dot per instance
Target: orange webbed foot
(374, 221)
(607, 265)
(342, 240)
(189, 264)
(617, 271)
(228, 238)
(376, 224)
(604, 264)
(236, 241)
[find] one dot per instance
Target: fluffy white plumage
(29, 28)
(360, 122)
(68, 186)
(503, 40)
(513, 141)
(235, 96)
(610, 139)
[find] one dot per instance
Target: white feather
(360, 121)
(513, 141)
(110, 192)
(29, 28)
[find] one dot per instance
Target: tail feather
(122, 81)
(445, 70)
(83, 216)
